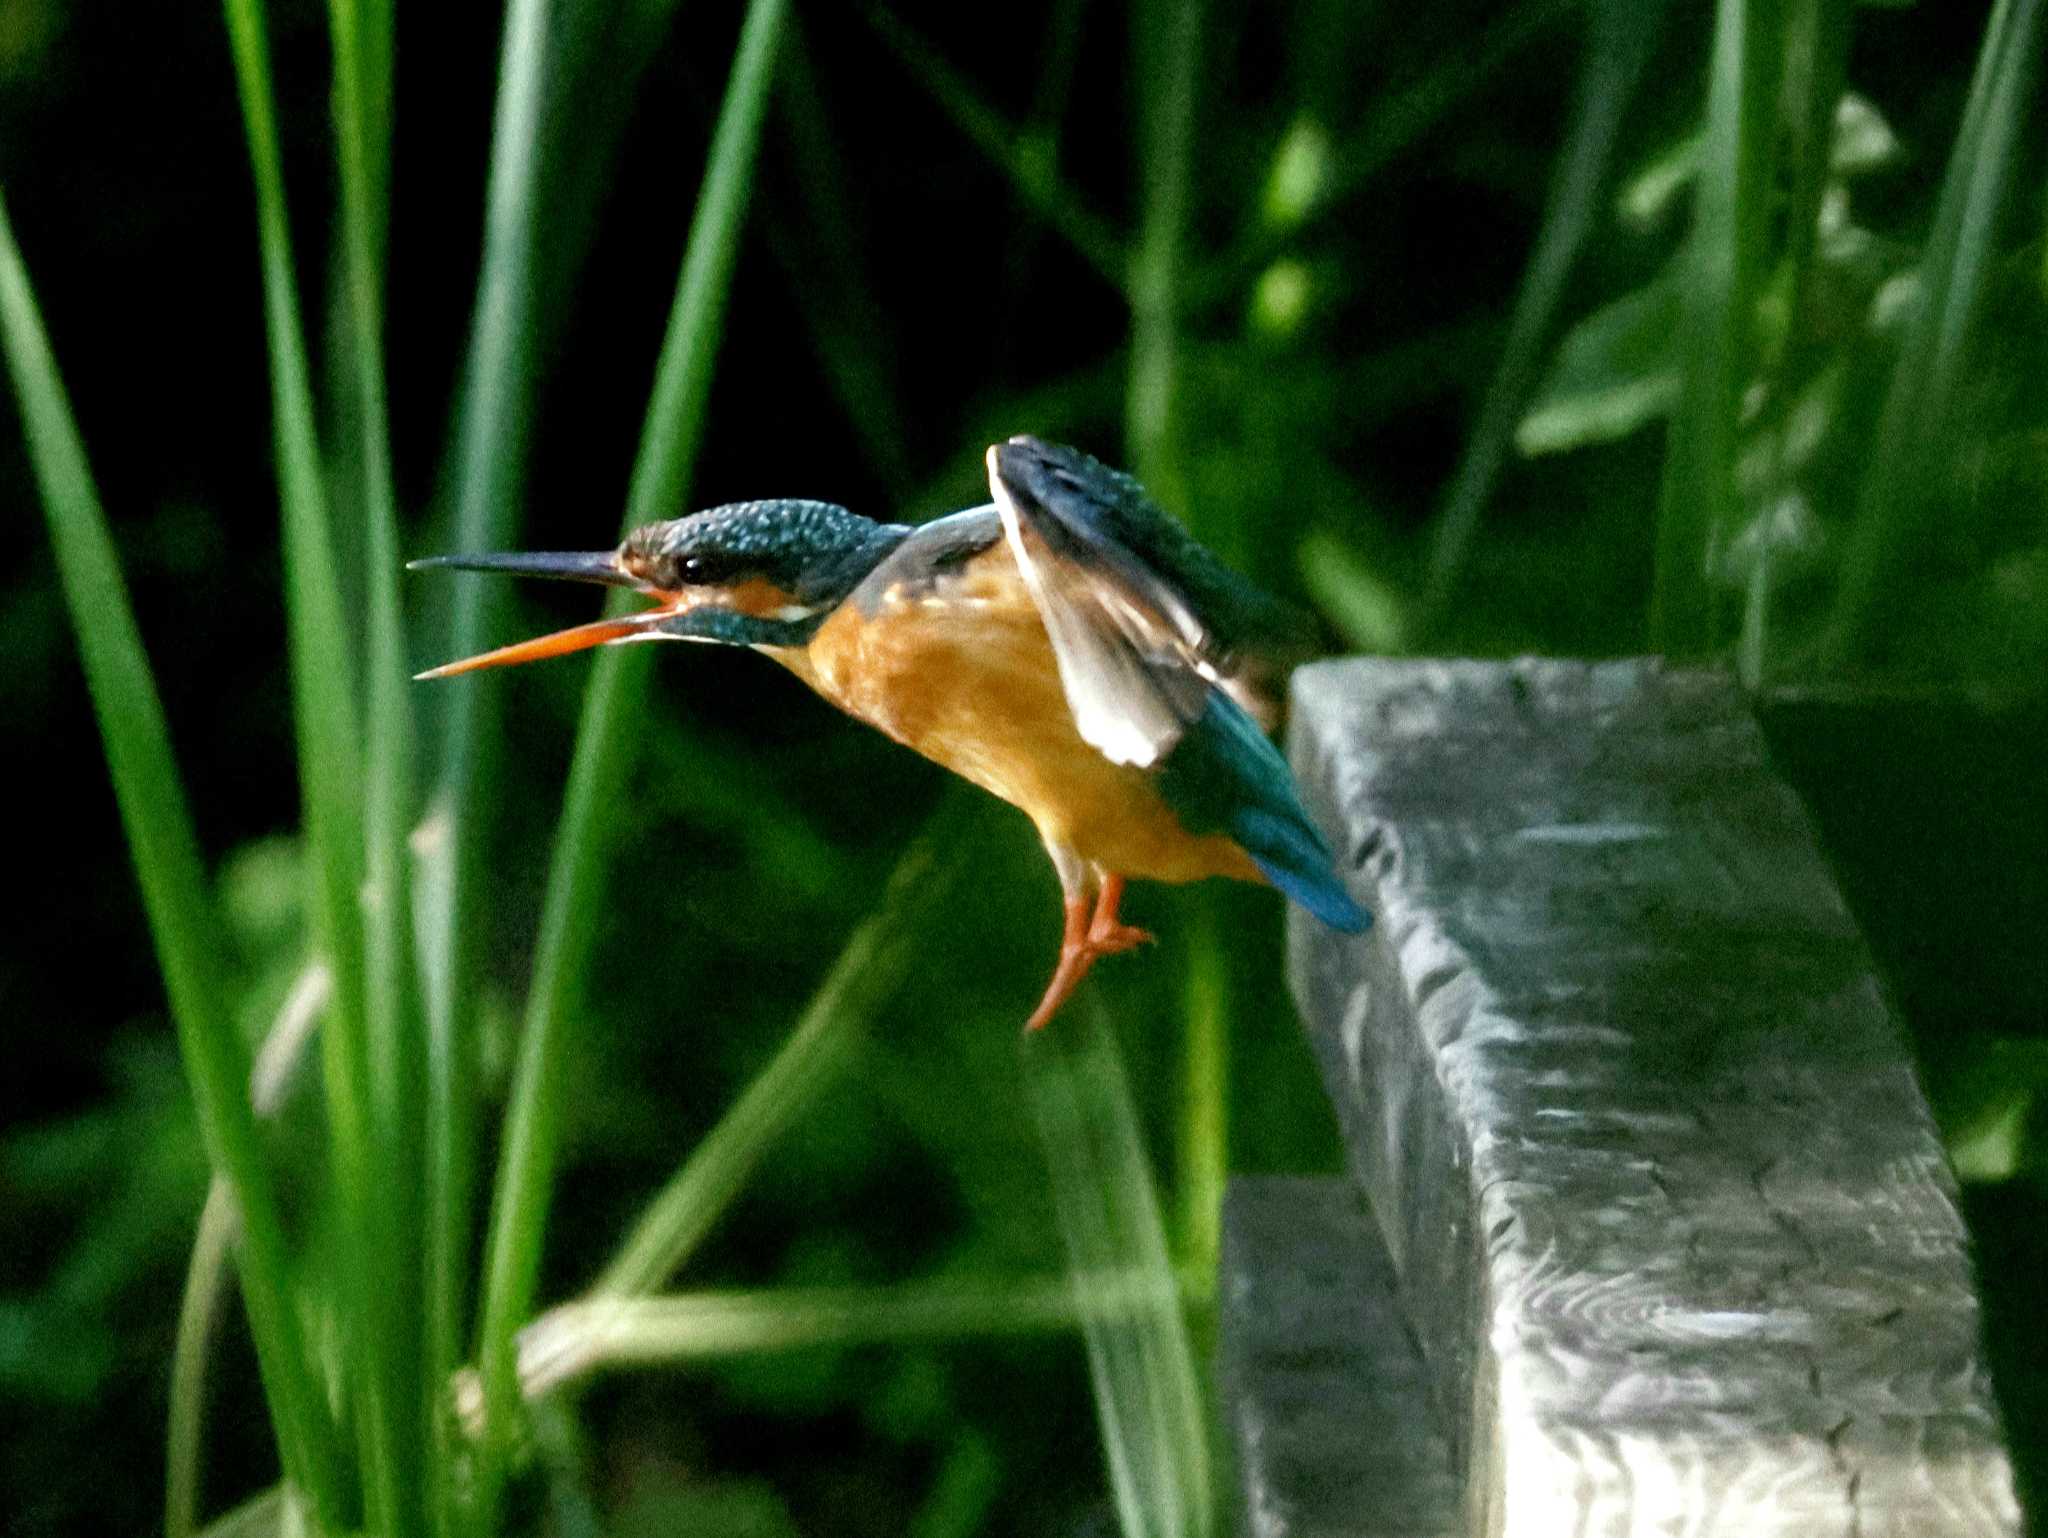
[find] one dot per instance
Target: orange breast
(963, 674)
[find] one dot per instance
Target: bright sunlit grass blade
(1147, 1396)
(1919, 408)
(661, 475)
(166, 855)
(574, 1341)
(270, 1514)
(1725, 263)
(1618, 48)
(868, 972)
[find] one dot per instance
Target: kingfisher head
(747, 574)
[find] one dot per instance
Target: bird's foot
(1086, 940)
(1117, 938)
(1106, 933)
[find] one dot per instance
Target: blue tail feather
(1224, 776)
(1300, 869)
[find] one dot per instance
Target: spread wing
(1144, 622)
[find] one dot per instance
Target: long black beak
(568, 565)
(573, 566)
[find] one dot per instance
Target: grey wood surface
(1323, 1382)
(1634, 1115)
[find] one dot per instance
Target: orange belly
(964, 675)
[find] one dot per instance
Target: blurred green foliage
(1732, 350)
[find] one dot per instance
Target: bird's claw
(1088, 938)
(1112, 939)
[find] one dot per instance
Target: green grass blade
(167, 865)
(573, 1341)
(1203, 1115)
(271, 1513)
(374, 21)
(1147, 1395)
(185, 1422)
(1618, 48)
(1919, 407)
(392, 1317)
(206, 1274)
(1169, 55)
(867, 974)
(1726, 262)
(661, 475)
(490, 461)
(322, 666)
(1817, 35)
(331, 769)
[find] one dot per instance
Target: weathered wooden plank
(1634, 1115)
(1323, 1382)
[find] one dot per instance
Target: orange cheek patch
(758, 598)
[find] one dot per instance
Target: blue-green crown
(814, 551)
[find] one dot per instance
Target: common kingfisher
(1067, 646)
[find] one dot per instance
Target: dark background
(126, 177)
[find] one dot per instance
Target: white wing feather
(1129, 660)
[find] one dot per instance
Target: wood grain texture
(1636, 1119)
(1323, 1382)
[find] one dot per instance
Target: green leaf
(1615, 372)
(1367, 608)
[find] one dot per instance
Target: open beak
(600, 566)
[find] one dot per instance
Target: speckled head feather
(748, 574)
(813, 551)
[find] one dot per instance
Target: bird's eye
(703, 569)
